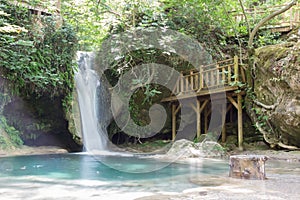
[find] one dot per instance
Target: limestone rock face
(277, 83)
(73, 118)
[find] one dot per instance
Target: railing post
(223, 76)
(187, 83)
(176, 88)
(229, 76)
(192, 79)
(236, 68)
(196, 81)
(181, 82)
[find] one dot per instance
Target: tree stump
(248, 166)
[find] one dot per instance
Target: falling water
(87, 85)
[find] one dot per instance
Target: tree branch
(264, 20)
(246, 18)
(265, 133)
(108, 9)
(267, 107)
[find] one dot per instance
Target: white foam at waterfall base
(87, 81)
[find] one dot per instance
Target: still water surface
(50, 176)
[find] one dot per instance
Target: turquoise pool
(81, 176)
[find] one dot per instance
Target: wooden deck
(222, 77)
(282, 23)
(218, 77)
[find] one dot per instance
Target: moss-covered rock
(277, 83)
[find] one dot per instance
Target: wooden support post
(240, 121)
(224, 109)
(223, 133)
(198, 113)
(173, 122)
(247, 167)
(238, 106)
(205, 120)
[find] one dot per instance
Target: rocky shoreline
(27, 150)
(281, 155)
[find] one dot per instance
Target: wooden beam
(233, 102)
(240, 122)
(206, 92)
(203, 105)
(194, 107)
(177, 109)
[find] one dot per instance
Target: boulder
(188, 149)
(277, 89)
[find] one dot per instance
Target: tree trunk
(247, 167)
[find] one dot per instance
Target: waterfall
(89, 88)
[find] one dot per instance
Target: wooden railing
(228, 73)
(289, 19)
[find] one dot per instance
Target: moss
(269, 54)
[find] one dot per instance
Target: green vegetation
(220, 26)
(36, 59)
(37, 52)
(11, 138)
(36, 55)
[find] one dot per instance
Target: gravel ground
(283, 181)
